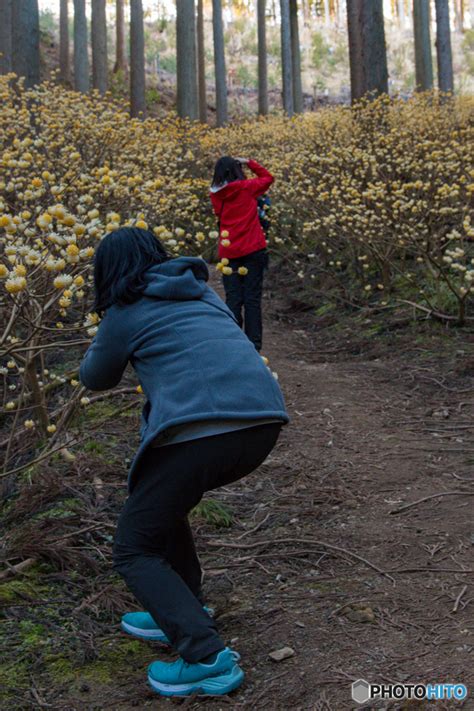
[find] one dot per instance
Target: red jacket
(236, 207)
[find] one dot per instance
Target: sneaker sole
(149, 635)
(212, 686)
(153, 635)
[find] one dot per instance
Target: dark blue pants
(154, 548)
(245, 293)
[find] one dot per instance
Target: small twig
(76, 533)
(259, 525)
(432, 496)
(458, 599)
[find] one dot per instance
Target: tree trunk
(401, 13)
(201, 63)
(5, 36)
(99, 46)
(443, 47)
(262, 58)
(64, 60)
(120, 57)
(137, 60)
(81, 56)
(186, 60)
(296, 58)
(219, 63)
(25, 40)
(459, 15)
(286, 63)
(375, 52)
(367, 51)
(327, 13)
(423, 61)
(306, 12)
(356, 58)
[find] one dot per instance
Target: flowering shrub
(377, 198)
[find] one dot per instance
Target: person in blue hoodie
(213, 413)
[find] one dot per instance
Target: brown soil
(319, 556)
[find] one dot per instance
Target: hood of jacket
(180, 279)
(227, 189)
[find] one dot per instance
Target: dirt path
(361, 444)
(367, 437)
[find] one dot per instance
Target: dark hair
(120, 262)
(227, 170)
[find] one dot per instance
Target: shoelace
(184, 664)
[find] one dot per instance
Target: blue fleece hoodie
(193, 361)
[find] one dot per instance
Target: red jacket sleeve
(260, 184)
(215, 204)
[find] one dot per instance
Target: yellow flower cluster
(377, 200)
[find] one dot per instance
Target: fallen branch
(431, 312)
(306, 541)
(17, 569)
(432, 496)
(431, 570)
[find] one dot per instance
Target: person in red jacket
(242, 242)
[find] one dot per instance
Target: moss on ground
(116, 659)
(29, 585)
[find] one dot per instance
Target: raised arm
(260, 184)
(107, 357)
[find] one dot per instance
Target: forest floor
(321, 555)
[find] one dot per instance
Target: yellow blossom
(15, 284)
(62, 281)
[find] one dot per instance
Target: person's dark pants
(154, 548)
(245, 292)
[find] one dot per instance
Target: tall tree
(64, 60)
(187, 99)
(327, 13)
(375, 50)
(423, 60)
(81, 56)
(120, 57)
(137, 60)
(367, 50)
(99, 46)
(459, 15)
(5, 36)
(219, 63)
(262, 58)
(25, 40)
(401, 13)
(356, 55)
(286, 63)
(296, 58)
(201, 63)
(443, 46)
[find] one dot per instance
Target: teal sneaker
(143, 626)
(182, 679)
